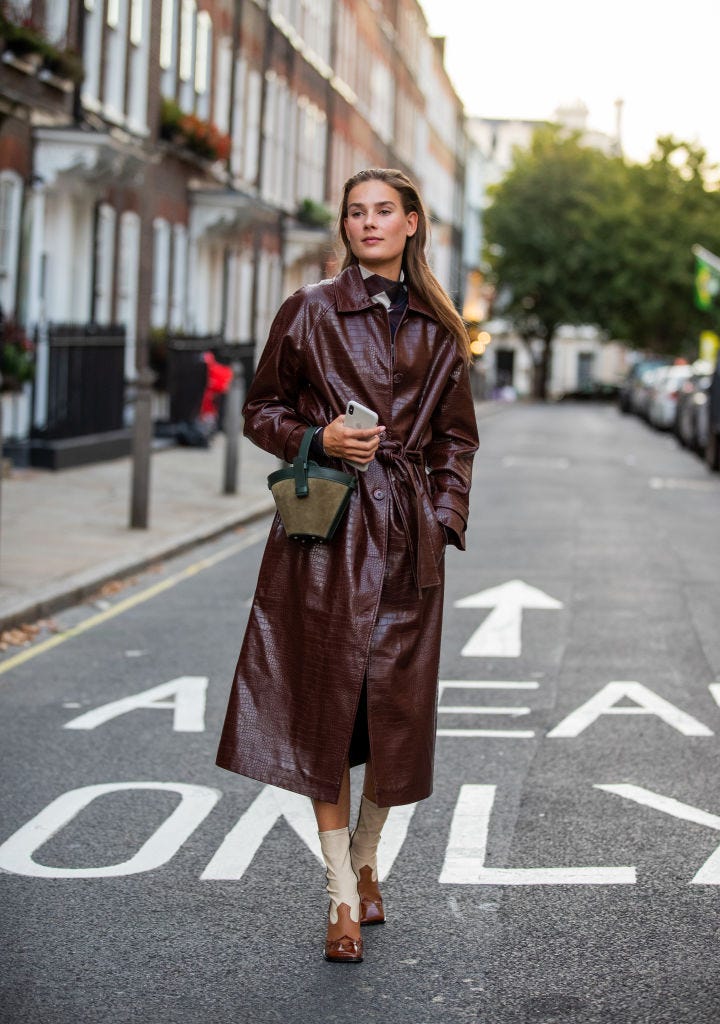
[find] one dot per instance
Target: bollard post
(141, 445)
(233, 407)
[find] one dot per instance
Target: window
(167, 35)
(179, 276)
(116, 49)
(238, 115)
(56, 21)
(104, 263)
(161, 273)
(127, 284)
(222, 84)
(92, 46)
(10, 206)
(203, 59)
(187, 39)
(139, 66)
(136, 22)
(252, 125)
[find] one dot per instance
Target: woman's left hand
(349, 443)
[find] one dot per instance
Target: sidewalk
(64, 534)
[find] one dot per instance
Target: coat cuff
(293, 441)
(454, 525)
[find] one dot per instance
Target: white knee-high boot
(341, 879)
(365, 838)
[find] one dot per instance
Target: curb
(74, 589)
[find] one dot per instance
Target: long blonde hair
(418, 274)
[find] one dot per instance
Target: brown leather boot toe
(344, 950)
(343, 944)
(371, 901)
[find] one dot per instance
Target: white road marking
(509, 734)
(535, 461)
(499, 636)
(659, 483)
(709, 873)
(241, 844)
(486, 684)
(475, 709)
(16, 854)
(185, 696)
(646, 703)
(467, 848)
(478, 709)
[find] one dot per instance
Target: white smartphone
(359, 417)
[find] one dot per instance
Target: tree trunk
(542, 369)
(540, 363)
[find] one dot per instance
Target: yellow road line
(132, 601)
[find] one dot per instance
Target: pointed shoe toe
(371, 901)
(372, 910)
(343, 950)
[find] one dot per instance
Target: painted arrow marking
(499, 636)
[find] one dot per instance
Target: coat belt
(407, 466)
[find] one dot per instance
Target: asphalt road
(564, 870)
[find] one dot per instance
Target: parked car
(691, 418)
(633, 381)
(666, 383)
(712, 445)
(644, 391)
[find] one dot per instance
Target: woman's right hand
(343, 442)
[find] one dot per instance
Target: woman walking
(339, 663)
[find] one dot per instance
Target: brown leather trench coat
(367, 605)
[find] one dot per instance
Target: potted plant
(17, 356)
(315, 215)
(202, 138)
(23, 39)
(64, 64)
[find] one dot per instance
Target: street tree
(576, 236)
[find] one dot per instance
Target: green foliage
(314, 214)
(23, 37)
(576, 236)
(17, 356)
(64, 64)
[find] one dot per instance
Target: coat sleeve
(451, 452)
(270, 417)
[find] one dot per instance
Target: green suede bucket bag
(310, 499)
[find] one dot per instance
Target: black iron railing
(86, 380)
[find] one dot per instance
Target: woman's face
(377, 227)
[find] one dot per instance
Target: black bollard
(141, 445)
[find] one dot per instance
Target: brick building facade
(187, 179)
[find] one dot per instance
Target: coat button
(397, 377)
(379, 494)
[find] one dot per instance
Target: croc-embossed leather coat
(367, 605)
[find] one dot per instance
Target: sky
(524, 58)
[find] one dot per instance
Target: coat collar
(351, 294)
